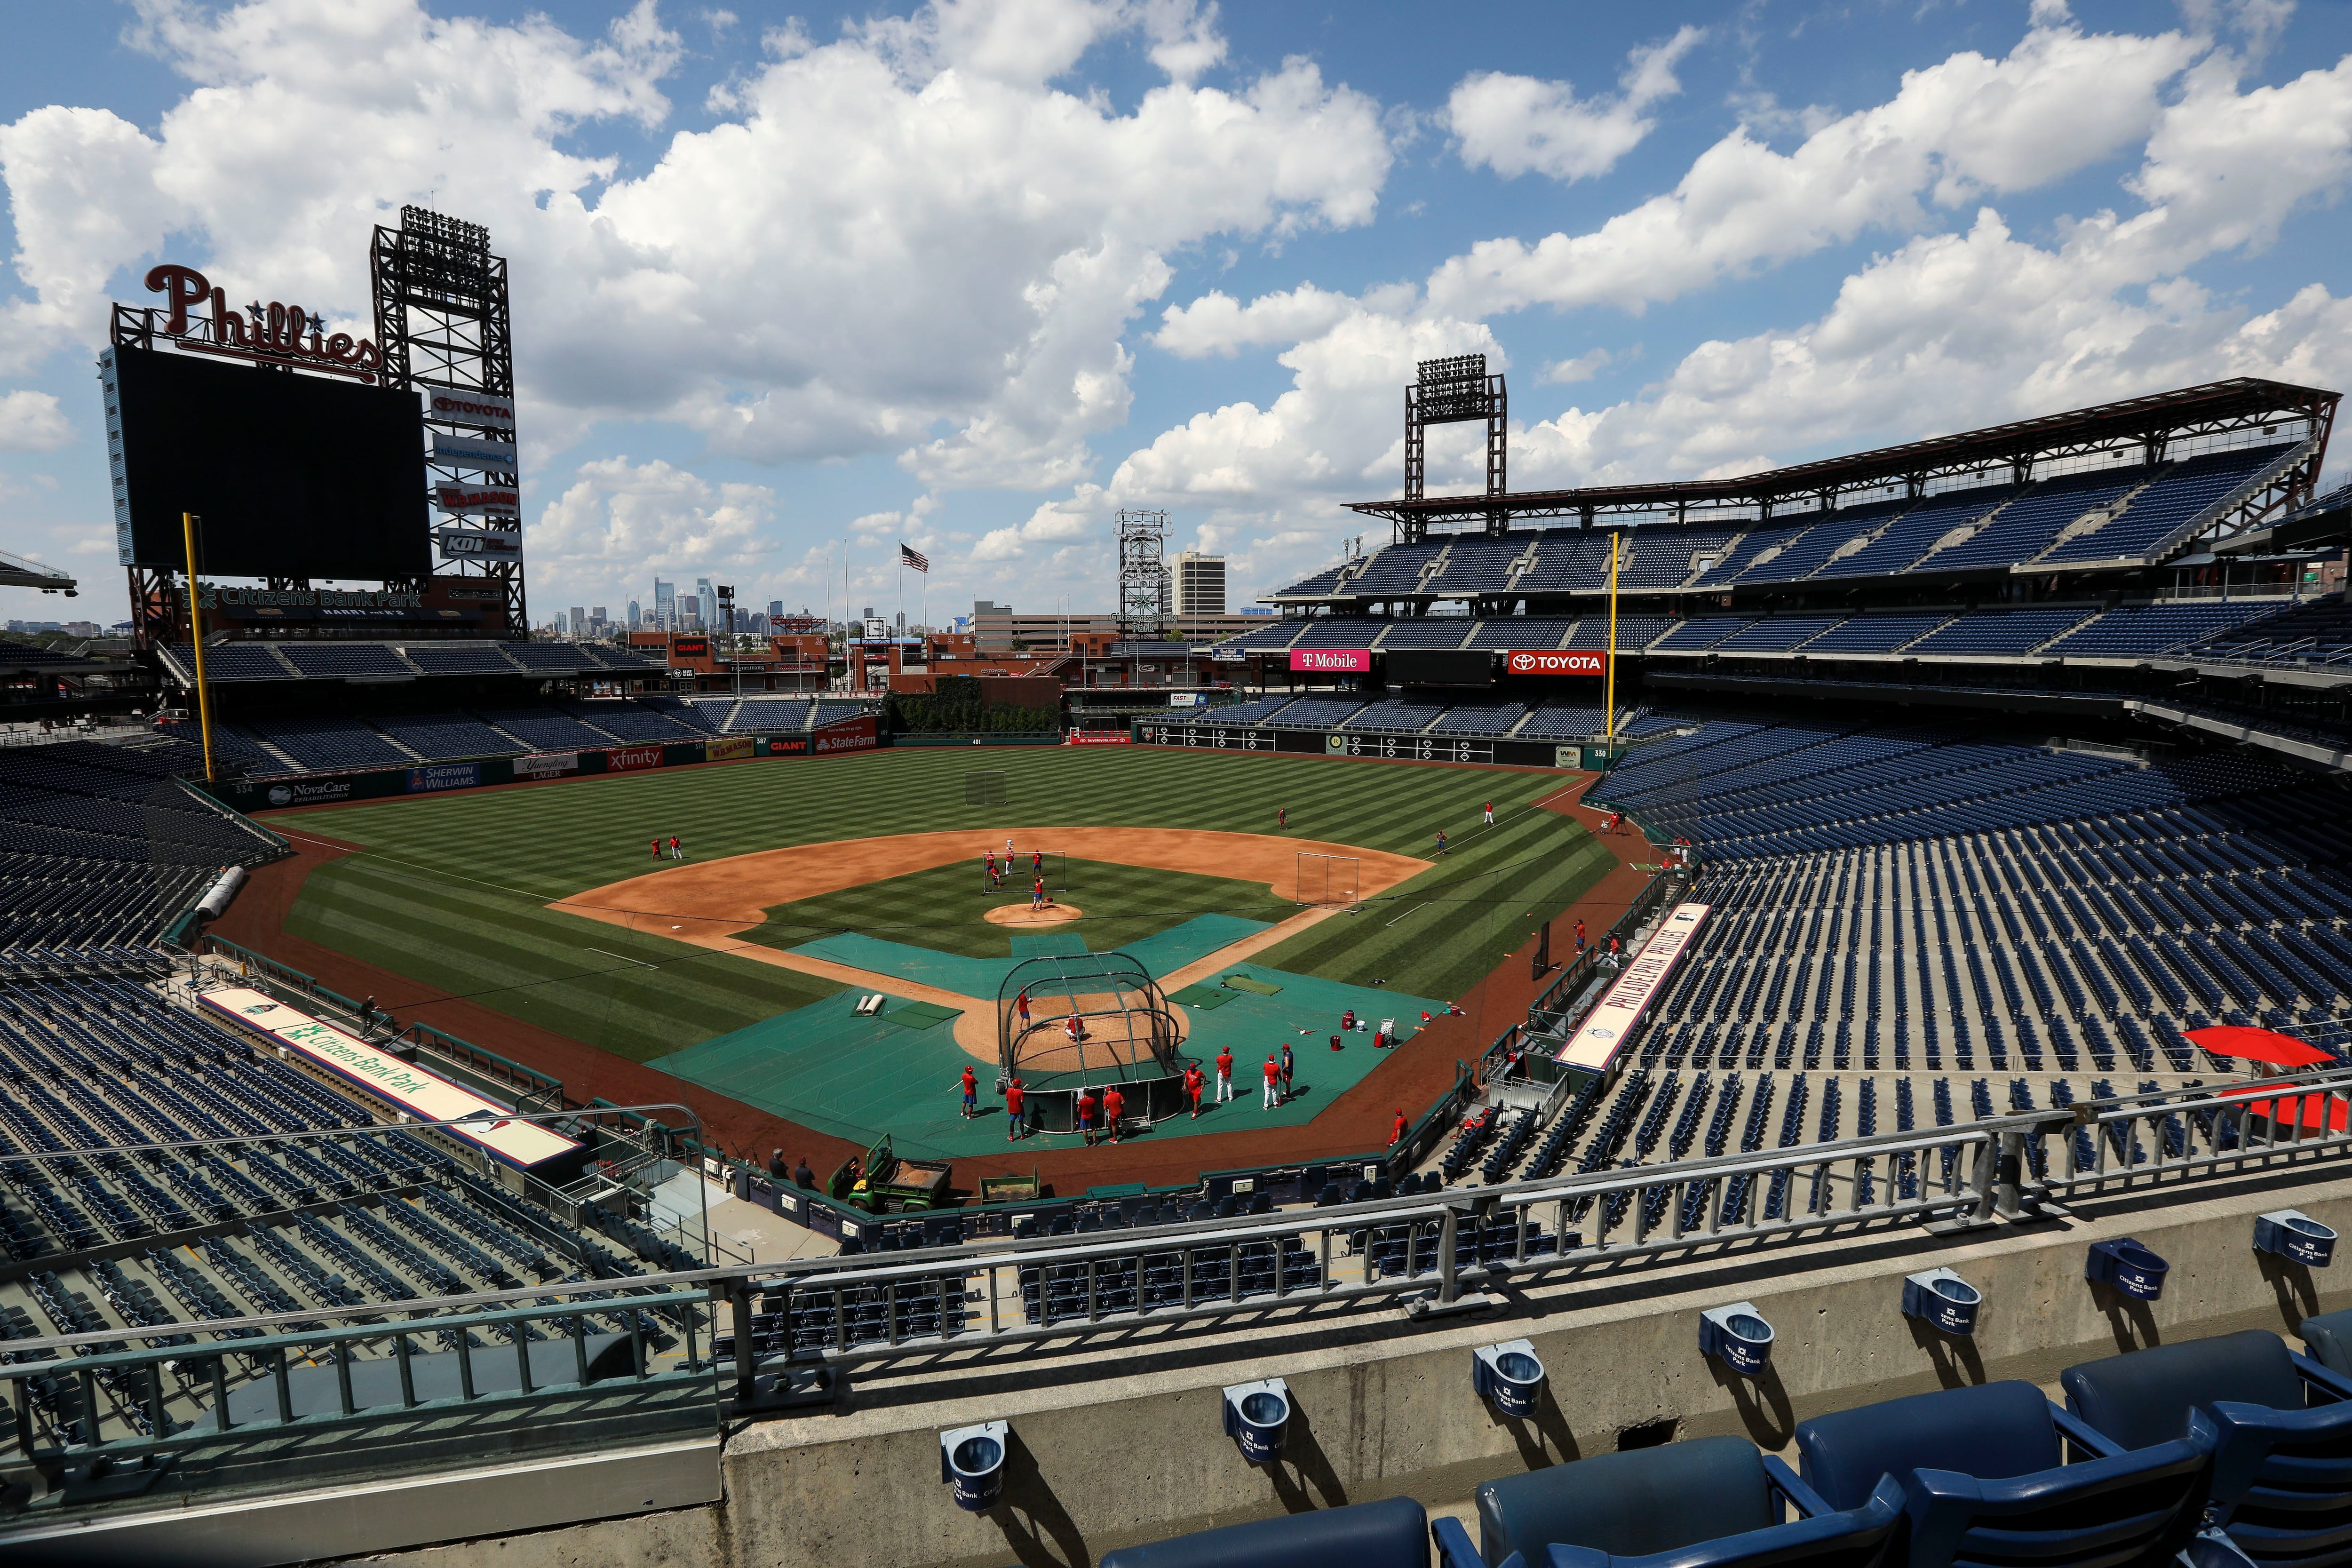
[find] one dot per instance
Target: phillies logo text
(276, 333)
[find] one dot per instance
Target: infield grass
(451, 891)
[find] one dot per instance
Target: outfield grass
(452, 890)
(947, 908)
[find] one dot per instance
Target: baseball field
(807, 885)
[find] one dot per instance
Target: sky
(795, 286)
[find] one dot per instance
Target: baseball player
(1037, 863)
(1287, 1066)
(656, 849)
(1580, 936)
(1114, 1103)
(677, 850)
(1225, 1074)
(1396, 1134)
(1037, 895)
(1195, 1080)
(971, 1095)
(1087, 1104)
(1013, 1112)
(1441, 842)
(1282, 816)
(1273, 1083)
(1490, 814)
(1022, 1003)
(988, 867)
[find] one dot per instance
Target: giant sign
(1334, 660)
(1596, 1043)
(1544, 662)
(427, 1095)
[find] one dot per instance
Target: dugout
(1127, 1036)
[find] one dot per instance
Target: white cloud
(901, 241)
(1217, 323)
(32, 422)
(621, 522)
(2060, 100)
(1517, 124)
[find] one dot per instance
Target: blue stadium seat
(1719, 1494)
(1983, 1473)
(2281, 1426)
(1390, 1533)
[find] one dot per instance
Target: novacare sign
(426, 1096)
(1607, 1025)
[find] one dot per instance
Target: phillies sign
(1533, 662)
(275, 333)
(1332, 660)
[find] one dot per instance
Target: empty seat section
(2025, 527)
(1427, 631)
(330, 742)
(546, 729)
(1998, 632)
(457, 658)
(1522, 632)
(2182, 496)
(449, 735)
(769, 714)
(350, 658)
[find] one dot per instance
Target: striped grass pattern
(452, 890)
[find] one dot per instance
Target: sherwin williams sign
(425, 1095)
(1332, 660)
(444, 775)
(1637, 984)
(1535, 661)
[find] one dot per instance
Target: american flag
(911, 556)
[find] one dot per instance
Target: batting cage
(984, 789)
(1091, 1020)
(1326, 881)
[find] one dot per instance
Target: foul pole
(1609, 683)
(196, 636)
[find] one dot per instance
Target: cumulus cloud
(2060, 100)
(1964, 321)
(621, 522)
(1518, 124)
(32, 422)
(907, 240)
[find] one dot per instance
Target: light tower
(1143, 587)
(442, 320)
(1452, 392)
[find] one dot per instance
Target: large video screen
(294, 476)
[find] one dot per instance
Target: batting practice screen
(294, 476)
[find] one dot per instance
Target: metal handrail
(1408, 1247)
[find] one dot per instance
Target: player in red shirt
(1037, 895)
(1087, 1104)
(1012, 1111)
(1114, 1102)
(1397, 1135)
(677, 850)
(1580, 936)
(1282, 816)
(1195, 1081)
(1022, 1002)
(971, 1094)
(1225, 1074)
(656, 849)
(1490, 814)
(1272, 1085)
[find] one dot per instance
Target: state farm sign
(1533, 662)
(1339, 660)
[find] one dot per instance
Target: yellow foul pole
(196, 635)
(1609, 685)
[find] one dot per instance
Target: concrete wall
(1126, 1447)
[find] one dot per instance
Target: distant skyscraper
(579, 622)
(1200, 583)
(596, 614)
(706, 599)
(636, 617)
(775, 609)
(665, 605)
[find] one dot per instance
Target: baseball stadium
(1598, 999)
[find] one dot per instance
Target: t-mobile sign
(1339, 660)
(1533, 662)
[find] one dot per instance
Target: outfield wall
(1468, 749)
(250, 796)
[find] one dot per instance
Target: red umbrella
(2259, 1045)
(2316, 1110)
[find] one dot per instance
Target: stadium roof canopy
(2150, 423)
(15, 572)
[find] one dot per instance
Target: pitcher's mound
(1023, 915)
